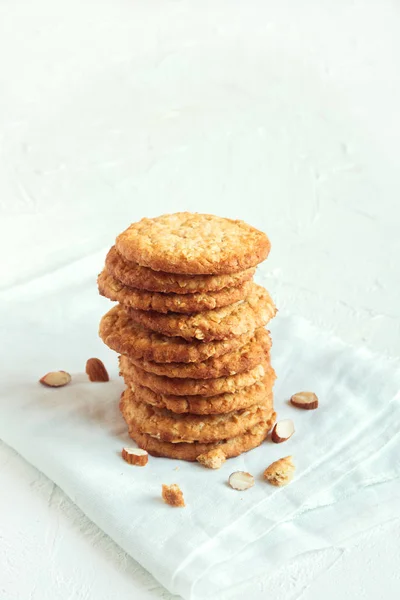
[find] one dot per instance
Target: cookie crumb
(280, 472)
(172, 495)
(213, 459)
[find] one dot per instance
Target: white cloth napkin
(222, 538)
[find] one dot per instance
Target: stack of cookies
(189, 326)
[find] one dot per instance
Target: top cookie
(193, 244)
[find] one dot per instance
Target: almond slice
(172, 495)
(213, 459)
(55, 379)
(282, 431)
(135, 456)
(305, 400)
(240, 480)
(280, 472)
(96, 370)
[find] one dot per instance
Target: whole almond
(96, 370)
(305, 400)
(55, 379)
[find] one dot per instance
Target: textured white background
(116, 109)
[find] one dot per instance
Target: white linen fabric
(222, 538)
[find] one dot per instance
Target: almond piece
(213, 459)
(135, 456)
(172, 495)
(55, 379)
(240, 480)
(96, 370)
(305, 400)
(282, 431)
(280, 472)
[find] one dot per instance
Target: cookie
(198, 405)
(180, 303)
(243, 359)
(218, 324)
(133, 275)
(194, 244)
(171, 427)
(184, 451)
(121, 334)
(189, 387)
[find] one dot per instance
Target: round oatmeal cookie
(213, 405)
(179, 303)
(172, 427)
(184, 451)
(194, 244)
(243, 359)
(142, 278)
(190, 387)
(120, 333)
(221, 323)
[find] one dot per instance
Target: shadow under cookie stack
(189, 326)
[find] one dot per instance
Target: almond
(305, 400)
(280, 472)
(282, 431)
(55, 379)
(240, 480)
(95, 370)
(213, 459)
(172, 495)
(135, 456)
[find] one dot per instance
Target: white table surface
(113, 110)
